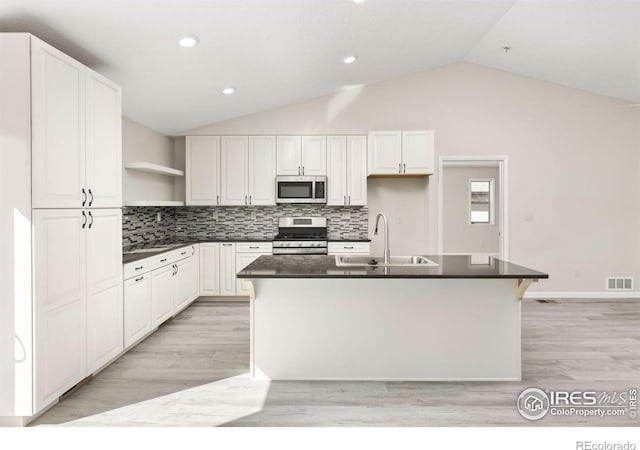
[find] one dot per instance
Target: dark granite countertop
(320, 266)
(172, 244)
(349, 240)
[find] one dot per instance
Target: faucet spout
(387, 251)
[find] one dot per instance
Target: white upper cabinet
(385, 152)
(401, 152)
(418, 152)
(58, 128)
(262, 170)
(202, 161)
(313, 160)
(347, 170)
(104, 287)
(289, 151)
(337, 170)
(76, 129)
(104, 142)
(301, 155)
(234, 160)
(356, 170)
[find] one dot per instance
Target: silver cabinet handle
(298, 170)
(302, 170)
(84, 200)
(345, 200)
(217, 199)
(138, 268)
(139, 278)
(163, 259)
(254, 246)
(245, 199)
(404, 166)
(226, 245)
(176, 269)
(84, 215)
(249, 199)
(183, 253)
(399, 167)
(91, 199)
(348, 247)
(91, 217)
(349, 199)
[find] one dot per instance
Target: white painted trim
(476, 160)
(586, 295)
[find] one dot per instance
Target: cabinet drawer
(136, 268)
(254, 247)
(349, 248)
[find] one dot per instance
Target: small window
(481, 201)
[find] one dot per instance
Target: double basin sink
(378, 261)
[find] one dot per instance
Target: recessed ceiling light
(349, 59)
(358, 1)
(228, 91)
(188, 41)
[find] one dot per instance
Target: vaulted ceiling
(277, 52)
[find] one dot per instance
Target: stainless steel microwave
(301, 189)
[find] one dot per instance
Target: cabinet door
(262, 170)
(385, 152)
(103, 142)
(417, 152)
(137, 308)
(104, 287)
(209, 269)
(288, 155)
(242, 261)
(59, 256)
(202, 170)
(58, 128)
(337, 170)
(227, 268)
(357, 170)
(162, 294)
(234, 160)
(186, 282)
(314, 155)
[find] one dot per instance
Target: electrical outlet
(346, 214)
(159, 217)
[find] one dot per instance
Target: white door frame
(503, 195)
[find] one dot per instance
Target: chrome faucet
(387, 252)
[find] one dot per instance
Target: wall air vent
(619, 284)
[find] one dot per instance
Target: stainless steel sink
(147, 250)
(374, 261)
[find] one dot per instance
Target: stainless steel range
(301, 236)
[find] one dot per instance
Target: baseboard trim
(629, 295)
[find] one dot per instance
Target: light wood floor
(192, 372)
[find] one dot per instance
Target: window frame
(492, 200)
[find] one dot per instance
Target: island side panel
(386, 329)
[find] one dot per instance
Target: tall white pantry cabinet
(60, 224)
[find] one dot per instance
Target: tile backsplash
(234, 222)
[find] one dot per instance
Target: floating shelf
(153, 203)
(154, 168)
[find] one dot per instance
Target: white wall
(574, 160)
(140, 143)
(459, 234)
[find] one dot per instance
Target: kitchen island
(458, 319)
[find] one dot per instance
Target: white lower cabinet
(162, 294)
(186, 282)
(246, 253)
(104, 287)
(227, 268)
(78, 296)
(210, 268)
(137, 308)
